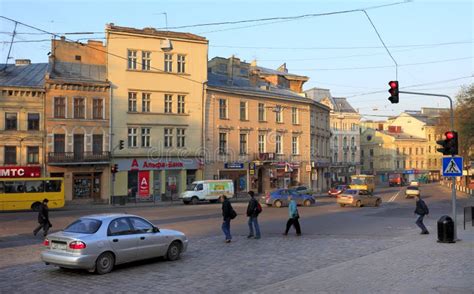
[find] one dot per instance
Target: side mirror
(156, 230)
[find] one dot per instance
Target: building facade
(158, 80)
(320, 149)
(77, 119)
(345, 129)
(22, 119)
(257, 126)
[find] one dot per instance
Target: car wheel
(174, 251)
(195, 200)
(377, 203)
(277, 204)
(186, 202)
(307, 202)
(358, 203)
(35, 206)
(104, 263)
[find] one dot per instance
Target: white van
(207, 190)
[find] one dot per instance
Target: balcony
(68, 158)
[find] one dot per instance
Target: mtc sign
(20, 171)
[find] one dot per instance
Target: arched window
(352, 141)
(345, 141)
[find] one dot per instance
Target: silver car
(99, 242)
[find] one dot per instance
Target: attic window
(78, 57)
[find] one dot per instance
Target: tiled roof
(70, 71)
(155, 32)
(31, 75)
(341, 105)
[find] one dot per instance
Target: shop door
(157, 185)
(97, 183)
(260, 180)
(82, 186)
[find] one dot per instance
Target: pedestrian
(421, 210)
(43, 218)
(293, 217)
(253, 210)
(228, 213)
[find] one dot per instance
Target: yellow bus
(363, 182)
(28, 193)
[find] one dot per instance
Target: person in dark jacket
(228, 213)
(43, 218)
(421, 210)
(252, 213)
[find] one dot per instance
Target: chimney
(63, 38)
(282, 68)
(253, 63)
(22, 62)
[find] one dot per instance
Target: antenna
(11, 45)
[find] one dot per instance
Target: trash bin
(122, 200)
(445, 229)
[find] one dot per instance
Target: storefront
(275, 175)
(155, 179)
(20, 171)
(237, 172)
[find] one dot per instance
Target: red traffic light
(393, 84)
(449, 135)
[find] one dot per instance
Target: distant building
(345, 129)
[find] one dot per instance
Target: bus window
(53, 186)
(34, 186)
(14, 187)
(2, 190)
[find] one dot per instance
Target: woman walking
(293, 217)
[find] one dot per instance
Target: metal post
(453, 188)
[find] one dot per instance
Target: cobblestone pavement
(209, 266)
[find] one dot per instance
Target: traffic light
(121, 144)
(393, 91)
(450, 144)
(114, 168)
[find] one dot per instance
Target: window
(243, 144)
(278, 144)
(362, 153)
(97, 108)
(181, 138)
(429, 137)
(118, 227)
(404, 150)
(279, 114)
(132, 59)
(294, 145)
(10, 121)
(34, 186)
(222, 108)
(352, 141)
(371, 165)
(141, 226)
(416, 151)
(181, 108)
(261, 112)
(409, 151)
(59, 143)
(398, 164)
(146, 60)
(78, 57)
(398, 150)
(146, 102)
(132, 101)
(146, 137)
(79, 107)
(371, 152)
(97, 144)
(181, 63)
(352, 157)
(168, 103)
(168, 62)
(261, 143)
(429, 149)
(435, 161)
(168, 138)
(33, 121)
(32, 154)
(132, 137)
(10, 155)
(243, 110)
(421, 150)
(222, 143)
(84, 226)
(294, 115)
(59, 107)
(429, 162)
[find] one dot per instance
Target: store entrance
(86, 185)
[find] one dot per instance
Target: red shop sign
(20, 171)
(144, 184)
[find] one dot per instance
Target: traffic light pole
(453, 188)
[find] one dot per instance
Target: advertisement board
(143, 184)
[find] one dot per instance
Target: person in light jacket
(293, 217)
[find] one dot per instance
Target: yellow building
(21, 119)
(158, 80)
(257, 126)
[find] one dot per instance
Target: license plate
(59, 246)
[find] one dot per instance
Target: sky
(430, 40)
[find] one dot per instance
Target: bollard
(446, 230)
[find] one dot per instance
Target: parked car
(99, 242)
(279, 198)
(303, 190)
(337, 190)
(358, 198)
(412, 191)
(207, 190)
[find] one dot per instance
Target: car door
(151, 242)
(122, 239)
(283, 196)
(296, 196)
(364, 197)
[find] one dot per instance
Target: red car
(338, 190)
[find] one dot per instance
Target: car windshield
(192, 187)
(412, 188)
(84, 226)
(352, 192)
(358, 181)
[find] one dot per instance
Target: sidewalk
(420, 266)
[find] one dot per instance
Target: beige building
(158, 80)
(21, 119)
(257, 126)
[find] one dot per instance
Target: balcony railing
(78, 157)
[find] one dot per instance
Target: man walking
(421, 210)
(293, 217)
(43, 218)
(253, 210)
(228, 213)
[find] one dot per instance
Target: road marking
(394, 197)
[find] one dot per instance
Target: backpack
(259, 208)
(233, 214)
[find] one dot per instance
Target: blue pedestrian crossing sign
(452, 166)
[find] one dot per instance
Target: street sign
(452, 166)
